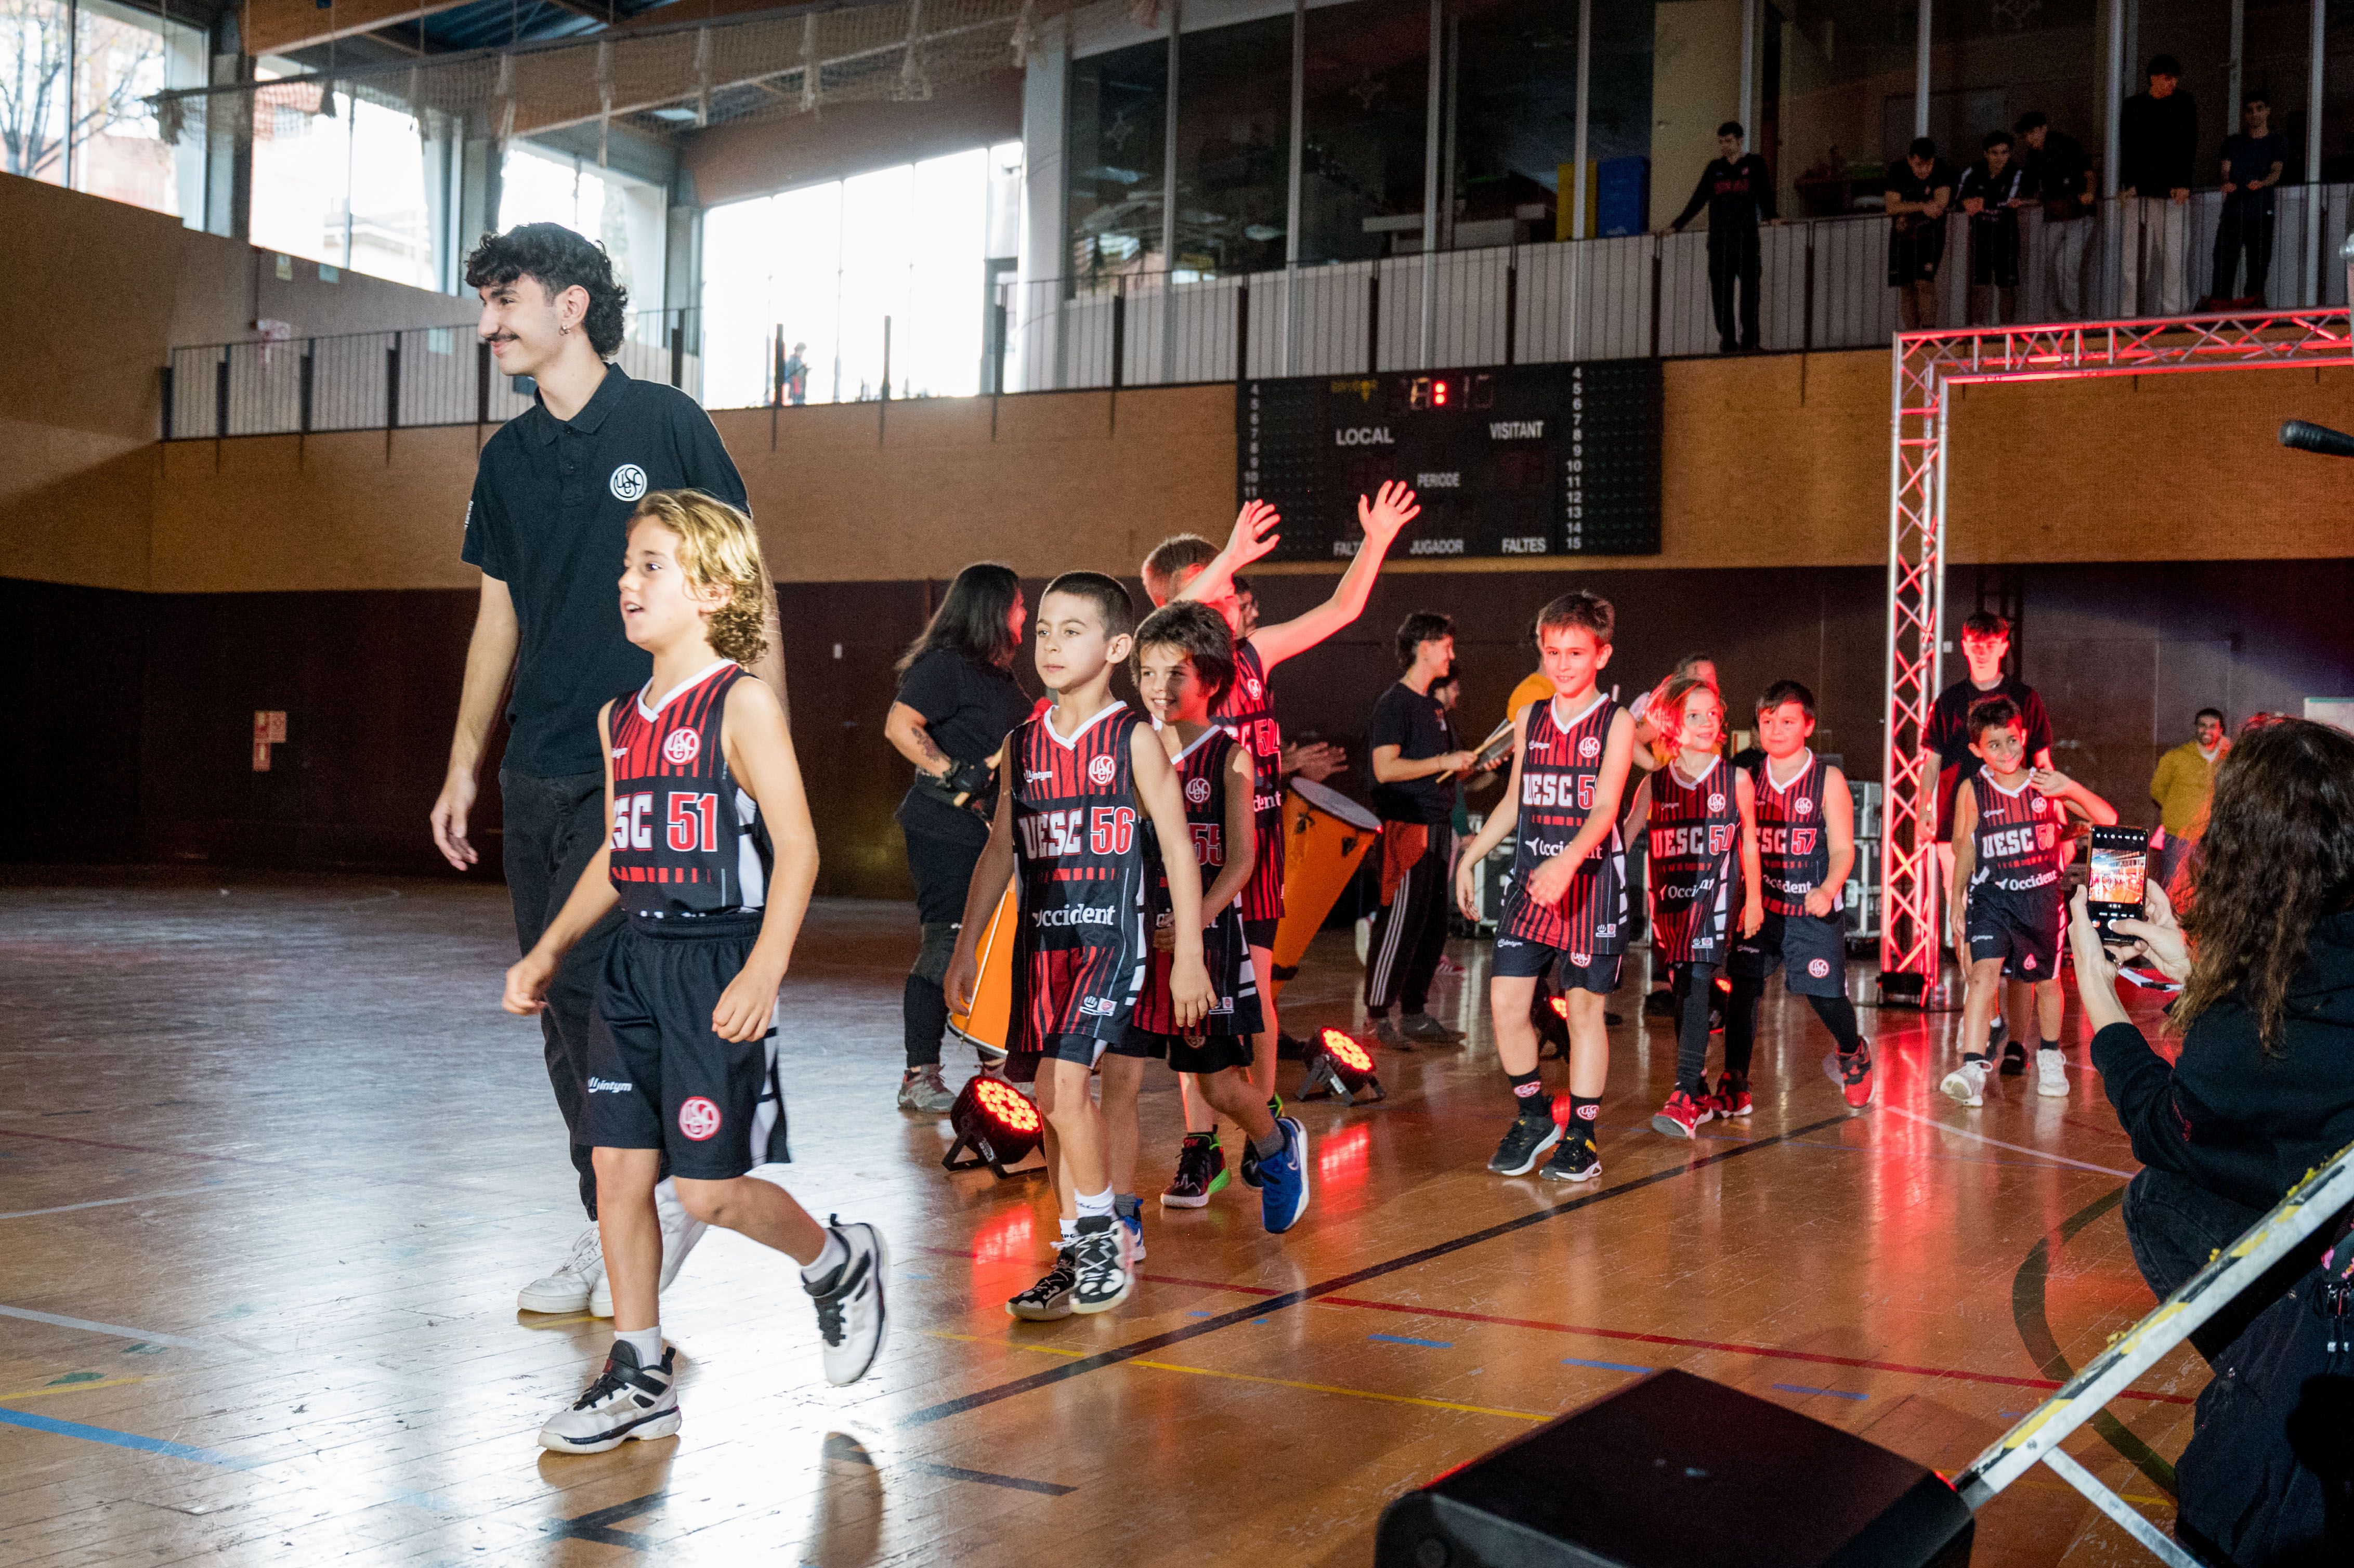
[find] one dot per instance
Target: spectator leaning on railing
(2060, 174)
(2262, 1092)
(1917, 199)
(1992, 191)
(2157, 139)
(2253, 164)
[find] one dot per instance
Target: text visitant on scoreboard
(1516, 461)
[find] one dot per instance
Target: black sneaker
(2014, 1059)
(1100, 1258)
(1051, 1297)
(1201, 1171)
(1525, 1144)
(1248, 1165)
(1574, 1160)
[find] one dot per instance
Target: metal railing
(385, 380)
(1822, 285)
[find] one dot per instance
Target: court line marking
(108, 1434)
(2014, 1147)
(143, 1148)
(76, 1387)
(109, 1203)
(1606, 1366)
(1253, 1377)
(1830, 1392)
(115, 1330)
(1355, 1276)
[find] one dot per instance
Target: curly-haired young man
(547, 527)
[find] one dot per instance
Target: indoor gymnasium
(1405, 783)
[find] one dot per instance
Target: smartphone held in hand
(2117, 876)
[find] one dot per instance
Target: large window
(1234, 147)
(1367, 107)
(1512, 96)
(74, 84)
(1117, 157)
(339, 179)
(815, 274)
(628, 216)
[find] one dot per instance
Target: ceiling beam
(278, 26)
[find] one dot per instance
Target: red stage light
(1561, 1008)
(1346, 1051)
(1338, 1066)
(995, 1123)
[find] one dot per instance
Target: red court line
(1764, 1351)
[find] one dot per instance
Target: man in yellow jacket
(2182, 786)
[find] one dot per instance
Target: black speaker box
(1675, 1471)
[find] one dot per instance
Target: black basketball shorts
(1811, 954)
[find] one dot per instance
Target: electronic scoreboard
(1518, 461)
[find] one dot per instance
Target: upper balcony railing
(1823, 285)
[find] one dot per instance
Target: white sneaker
(626, 1400)
(1100, 1258)
(1967, 1083)
(2052, 1073)
(567, 1288)
(680, 1230)
(851, 1319)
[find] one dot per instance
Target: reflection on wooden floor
(274, 1165)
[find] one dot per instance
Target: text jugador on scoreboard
(1515, 461)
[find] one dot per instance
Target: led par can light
(996, 1125)
(1340, 1067)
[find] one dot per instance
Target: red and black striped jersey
(1694, 833)
(1233, 1007)
(1794, 848)
(1561, 772)
(2019, 837)
(687, 839)
(1247, 712)
(1083, 846)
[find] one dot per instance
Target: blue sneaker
(1283, 1180)
(1129, 1213)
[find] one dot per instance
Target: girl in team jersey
(1699, 817)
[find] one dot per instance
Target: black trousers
(2247, 226)
(1410, 931)
(1732, 260)
(2269, 1475)
(942, 870)
(553, 829)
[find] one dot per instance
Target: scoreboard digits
(1519, 461)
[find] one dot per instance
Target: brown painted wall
(97, 293)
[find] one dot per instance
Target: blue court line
(1606, 1366)
(51, 1424)
(1832, 1393)
(1197, 1314)
(1405, 1339)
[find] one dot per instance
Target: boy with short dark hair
(1565, 898)
(2010, 848)
(712, 852)
(1806, 847)
(1185, 660)
(1076, 777)
(1992, 191)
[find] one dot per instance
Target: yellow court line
(1249, 1377)
(554, 1322)
(77, 1387)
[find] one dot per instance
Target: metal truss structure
(1925, 365)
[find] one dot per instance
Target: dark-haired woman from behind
(2262, 1092)
(958, 701)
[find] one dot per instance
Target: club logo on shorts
(628, 484)
(1803, 805)
(1101, 769)
(1591, 747)
(681, 745)
(1716, 804)
(1197, 790)
(1819, 967)
(698, 1118)
(1581, 960)
(2028, 962)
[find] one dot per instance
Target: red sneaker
(1731, 1098)
(1855, 1077)
(1682, 1113)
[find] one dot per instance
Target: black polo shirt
(549, 518)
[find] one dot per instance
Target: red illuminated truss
(1925, 365)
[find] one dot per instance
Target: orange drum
(1325, 835)
(984, 1023)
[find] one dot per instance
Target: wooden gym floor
(274, 1165)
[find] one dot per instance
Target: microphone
(2307, 438)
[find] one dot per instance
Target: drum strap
(937, 948)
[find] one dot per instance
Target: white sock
(1070, 1232)
(834, 1256)
(1095, 1205)
(647, 1343)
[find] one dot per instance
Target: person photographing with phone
(2261, 1092)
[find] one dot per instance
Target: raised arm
(490, 659)
(1380, 515)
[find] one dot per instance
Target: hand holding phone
(2117, 878)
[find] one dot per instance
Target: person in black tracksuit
(1992, 191)
(1738, 191)
(1417, 764)
(2260, 1093)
